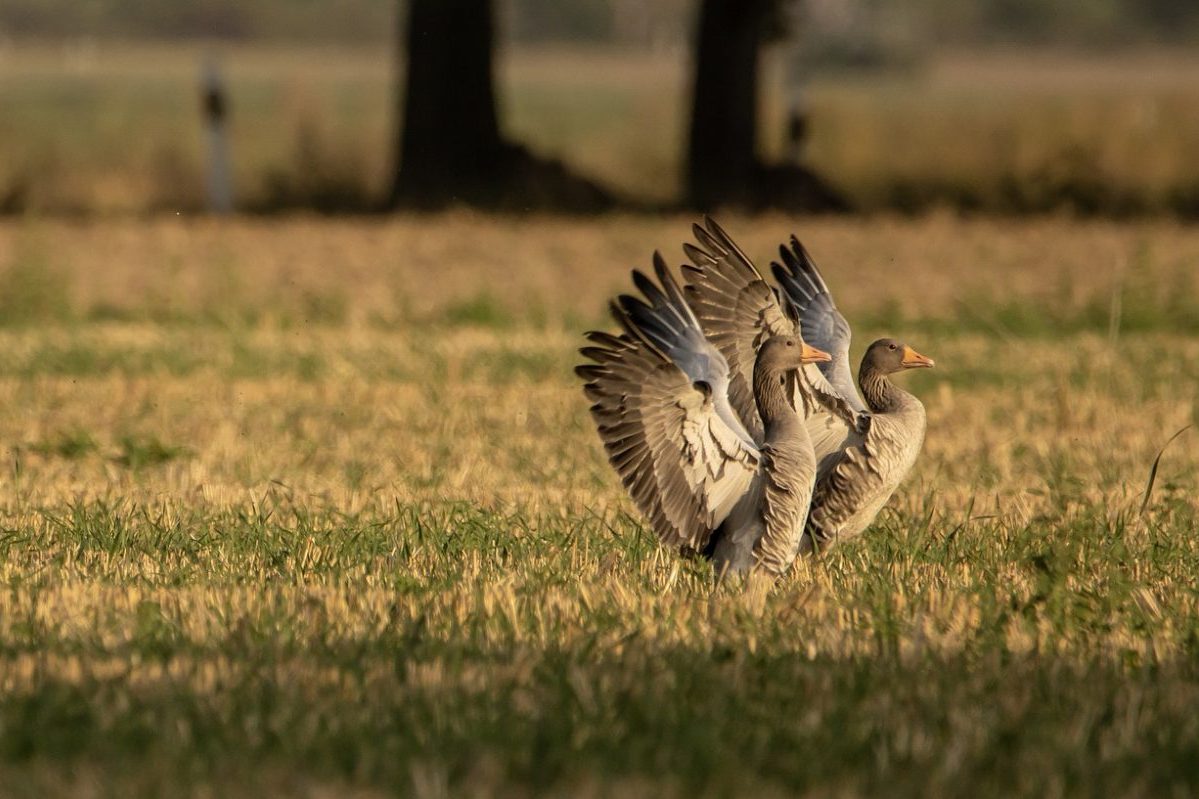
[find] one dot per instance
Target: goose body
(858, 477)
(706, 482)
(781, 494)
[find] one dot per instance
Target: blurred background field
(95, 126)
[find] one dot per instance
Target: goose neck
(770, 392)
(880, 393)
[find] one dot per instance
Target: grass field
(115, 128)
(313, 507)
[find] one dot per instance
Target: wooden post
(796, 133)
(216, 110)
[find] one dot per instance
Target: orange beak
(914, 360)
(809, 354)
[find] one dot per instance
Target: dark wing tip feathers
(717, 232)
(708, 243)
(697, 256)
(621, 315)
(598, 354)
(605, 338)
(604, 348)
(788, 260)
(789, 308)
(780, 272)
(726, 240)
(662, 271)
(647, 287)
(798, 290)
(798, 275)
(667, 281)
(801, 265)
(658, 320)
(676, 293)
(714, 245)
(700, 257)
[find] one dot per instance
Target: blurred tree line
(451, 147)
(857, 30)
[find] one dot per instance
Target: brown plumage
(660, 394)
(861, 464)
(858, 479)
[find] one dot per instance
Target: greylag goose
(863, 450)
(860, 466)
(661, 393)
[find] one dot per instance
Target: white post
(216, 109)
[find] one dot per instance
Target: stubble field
(313, 507)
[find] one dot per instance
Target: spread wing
(737, 309)
(821, 324)
(660, 403)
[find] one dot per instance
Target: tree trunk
(722, 156)
(449, 143)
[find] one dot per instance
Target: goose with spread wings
(863, 448)
(661, 402)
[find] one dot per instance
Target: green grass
(76, 443)
(137, 453)
(196, 655)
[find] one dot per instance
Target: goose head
(786, 353)
(887, 356)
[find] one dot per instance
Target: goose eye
(890, 346)
(790, 343)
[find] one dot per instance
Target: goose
(860, 468)
(661, 405)
(863, 449)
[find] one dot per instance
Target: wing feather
(660, 404)
(737, 310)
(846, 419)
(821, 324)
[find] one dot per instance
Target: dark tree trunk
(722, 156)
(449, 143)
(723, 167)
(449, 149)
